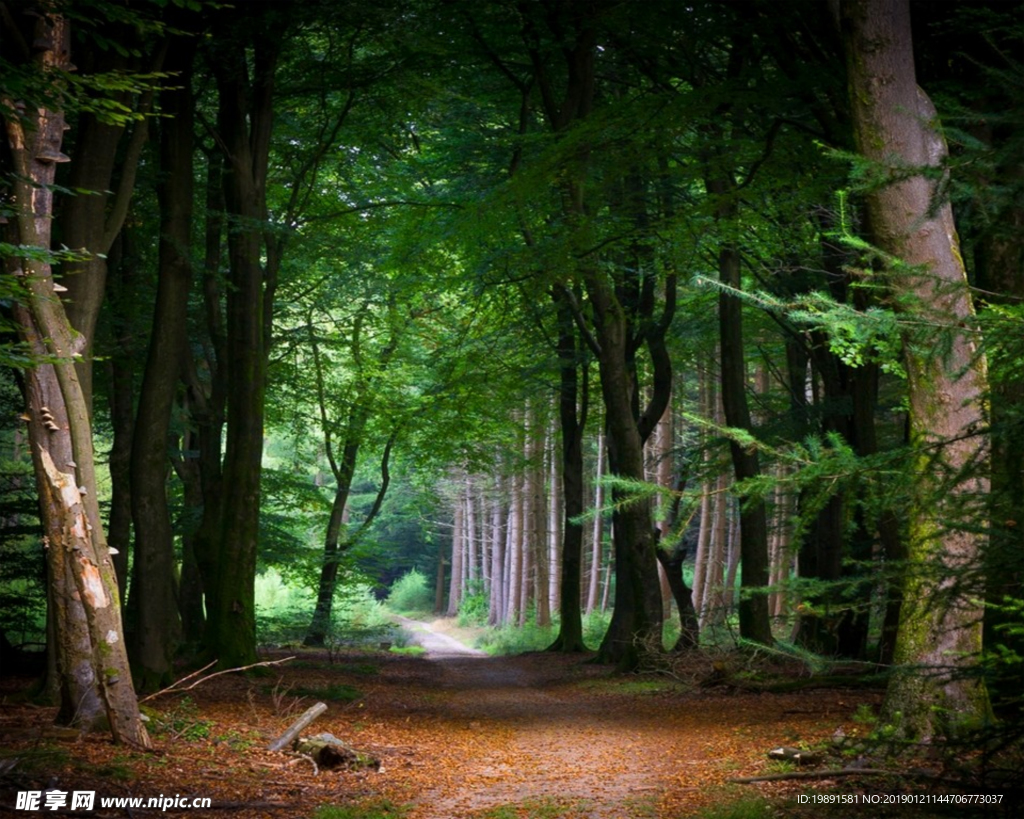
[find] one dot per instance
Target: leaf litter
(457, 736)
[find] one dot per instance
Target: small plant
(410, 651)
(864, 715)
(183, 722)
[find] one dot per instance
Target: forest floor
(457, 735)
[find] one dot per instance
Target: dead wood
(330, 752)
(833, 774)
(296, 727)
(176, 687)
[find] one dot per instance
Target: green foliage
(411, 594)
(283, 611)
(595, 625)
(474, 606)
(513, 639)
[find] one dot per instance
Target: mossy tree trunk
(939, 634)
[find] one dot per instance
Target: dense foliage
(525, 313)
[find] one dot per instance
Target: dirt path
(542, 729)
(458, 734)
(437, 645)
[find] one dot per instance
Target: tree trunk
(95, 680)
(244, 124)
(154, 594)
(597, 535)
(755, 624)
(939, 638)
(455, 587)
(496, 603)
(572, 421)
(122, 405)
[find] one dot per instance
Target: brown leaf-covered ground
(457, 735)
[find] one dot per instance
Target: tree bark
(243, 124)
(939, 638)
(96, 683)
(755, 623)
(154, 594)
(572, 419)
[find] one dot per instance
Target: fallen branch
(296, 727)
(779, 777)
(299, 757)
(174, 688)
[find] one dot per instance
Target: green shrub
(595, 625)
(411, 594)
(475, 606)
(517, 639)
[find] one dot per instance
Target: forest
(658, 335)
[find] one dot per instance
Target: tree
(244, 122)
(156, 624)
(939, 635)
(95, 681)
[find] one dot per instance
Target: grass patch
(360, 669)
(741, 807)
(364, 809)
(336, 692)
(411, 651)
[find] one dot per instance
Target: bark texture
(939, 635)
(92, 664)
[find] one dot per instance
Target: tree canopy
(570, 306)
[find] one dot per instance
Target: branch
(173, 688)
(130, 164)
(577, 314)
(296, 727)
(832, 774)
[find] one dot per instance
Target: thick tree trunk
(244, 124)
(635, 628)
(95, 679)
(122, 407)
(939, 639)
(154, 594)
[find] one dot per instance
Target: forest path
(436, 644)
(459, 735)
(552, 735)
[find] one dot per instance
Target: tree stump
(330, 752)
